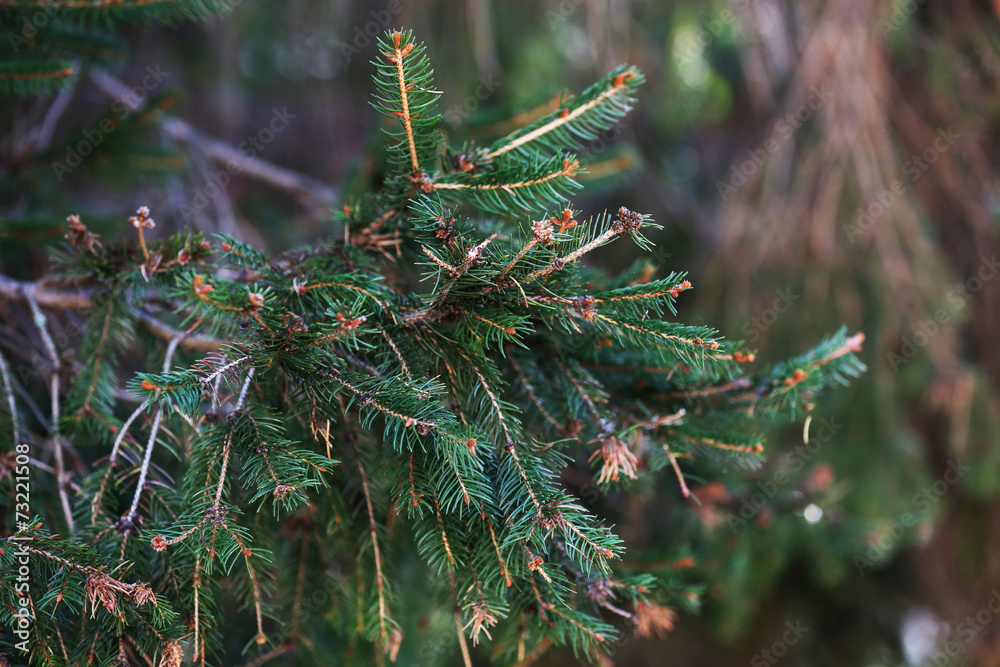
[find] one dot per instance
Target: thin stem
(517, 258)
(402, 361)
(122, 432)
(573, 256)
(42, 324)
(17, 290)
(466, 658)
(319, 194)
(559, 121)
(225, 368)
(496, 547)
(144, 471)
(243, 392)
(400, 51)
(9, 389)
(225, 465)
(440, 262)
(378, 556)
(444, 535)
(677, 471)
(568, 169)
(197, 598)
(531, 392)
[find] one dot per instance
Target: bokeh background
(813, 163)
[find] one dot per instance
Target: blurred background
(813, 164)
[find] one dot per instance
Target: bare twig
(9, 390)
(243, 392)
(52, 116)
(122, 432)
(16, 290)
(187, 341)
(144, 472)
(307, 188)
(50, 348)
(64, 299)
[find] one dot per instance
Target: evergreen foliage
(47, 42)
(357, 450)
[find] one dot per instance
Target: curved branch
(304, 186)
(64, 299)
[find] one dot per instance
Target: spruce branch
(625, 222)
(399, 52)
(467, 366)
(513, 184)
(577, 119)
(389, 641)
(36, 77)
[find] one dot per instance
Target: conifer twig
(462, 644)
(695, 342)
(379, 582)
(227, 448)
(440, 262)
(197, 605)
(541, 233)
(569, 168)
(400, 52)
(562, 120)
(677, 471)
(402, 361)
(625, 221)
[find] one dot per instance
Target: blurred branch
(306, 187)
(16, 290)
